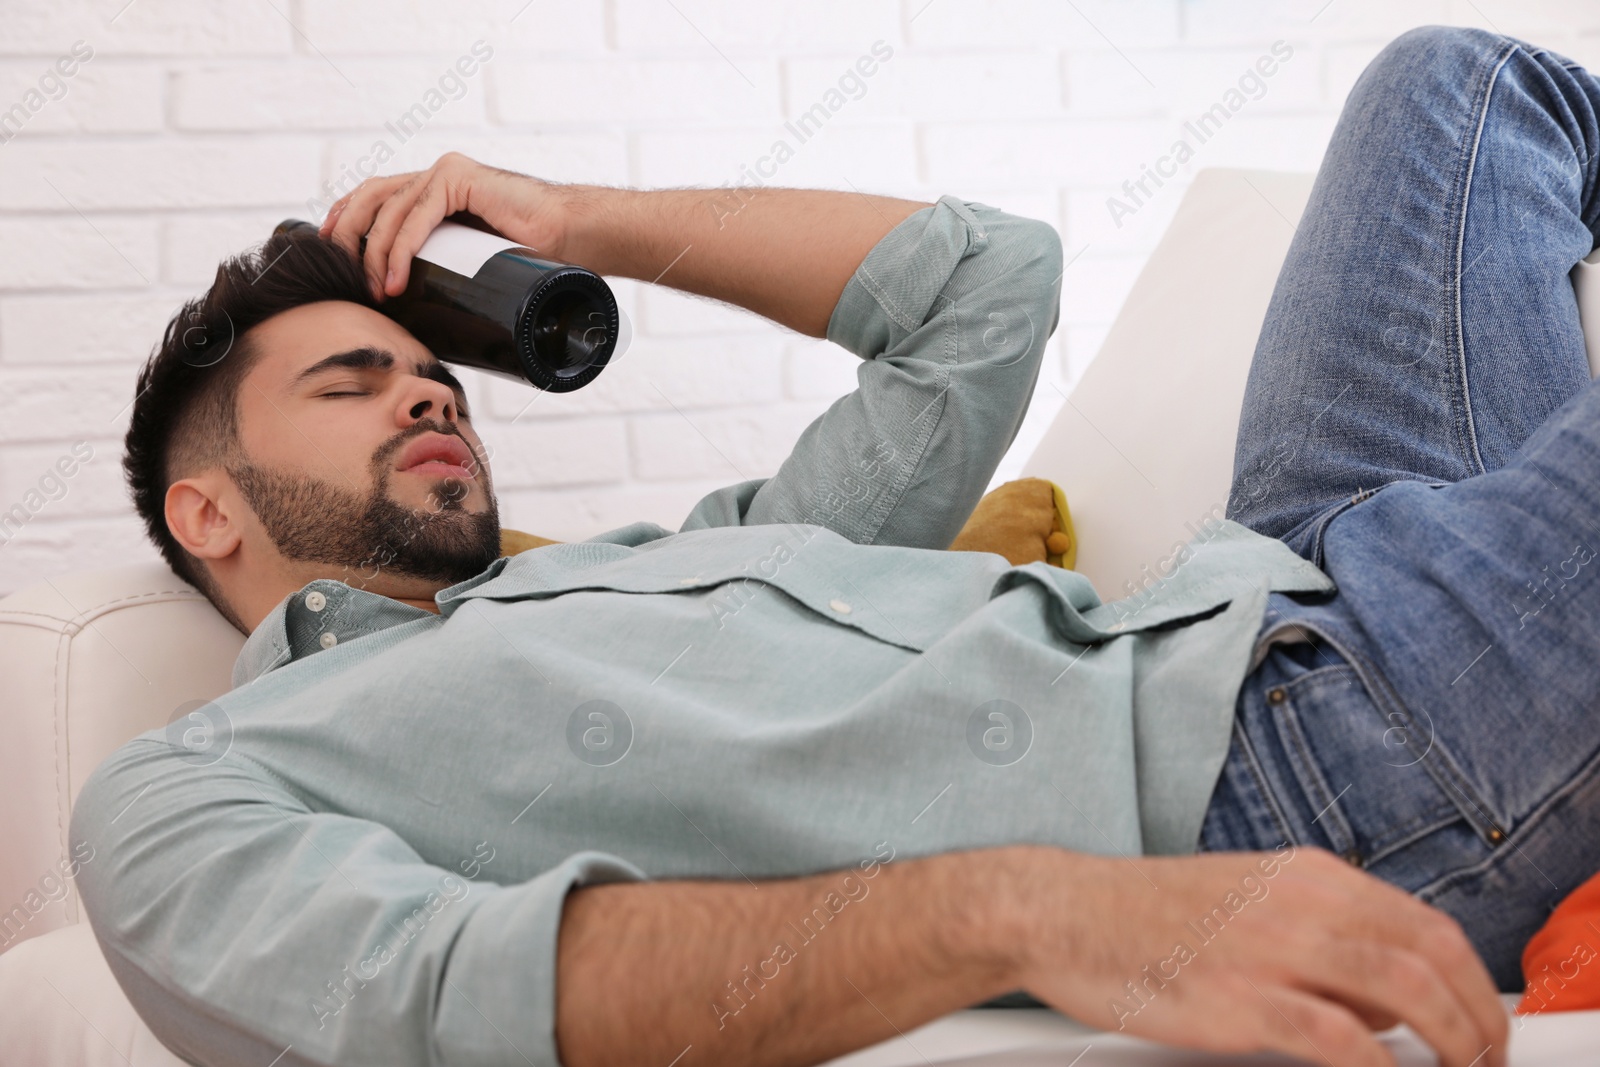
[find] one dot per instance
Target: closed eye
(345, 393)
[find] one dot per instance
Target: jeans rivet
(1496, 835)
(1353, 858)
(1276, 696)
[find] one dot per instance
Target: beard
(314, 521)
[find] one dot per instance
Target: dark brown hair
(185, 412)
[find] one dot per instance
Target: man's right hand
(1293, 951)
(396, 214)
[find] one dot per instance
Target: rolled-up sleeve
(247, 928)
(950, 314)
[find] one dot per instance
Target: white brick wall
(196, 126)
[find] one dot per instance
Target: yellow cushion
(1025, 521)
(514, 541)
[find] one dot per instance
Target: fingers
(1376, 1017)
(1385, 952)
(396, 214)
(1438, 940)
(385, 225)
(1331, 954)
(1441, 939)
(1316, 1030)
(351, 215)
(1377, 977)
(438, 198)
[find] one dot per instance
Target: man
(791, 780)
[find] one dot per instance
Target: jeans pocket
(1341, 773)
(1357, 771)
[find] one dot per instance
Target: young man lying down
(1330, 777)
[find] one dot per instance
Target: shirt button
(840, 606)
(327, 640)
(315, 600)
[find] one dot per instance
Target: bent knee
(1432, 49)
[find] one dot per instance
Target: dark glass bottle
(502, 309)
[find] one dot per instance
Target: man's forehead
(333, 335)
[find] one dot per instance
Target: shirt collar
(317, 616)
(295, 628)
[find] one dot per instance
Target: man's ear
(198, 518)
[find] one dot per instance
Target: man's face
(359, 452)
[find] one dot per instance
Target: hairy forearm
(785, 972)
(785, 254)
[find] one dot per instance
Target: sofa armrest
(90, 660)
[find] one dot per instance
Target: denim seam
(1431, 822)
(1319, 528)
(1319, 524)
(1258, 779)
(1464, 387)
(1341, 837)
(1444, 770)
(1509, 845)
(1443, 814)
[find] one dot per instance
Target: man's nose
(425, 399)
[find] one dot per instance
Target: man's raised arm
(949, 306)
(785, 254)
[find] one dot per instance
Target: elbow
(1038, 273)
(1022, 306)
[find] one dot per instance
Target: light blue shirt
(360, 854)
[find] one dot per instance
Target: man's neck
(426, 605)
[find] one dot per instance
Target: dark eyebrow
(364, 358)
(369, 357)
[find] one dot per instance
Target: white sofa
(1143, 447)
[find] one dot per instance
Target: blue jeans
(1420, 422)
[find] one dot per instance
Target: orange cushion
(1561, 964)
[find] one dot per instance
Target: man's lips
(437, 455)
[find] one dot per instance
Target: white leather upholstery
(1143, 447)
(60, 1007)
(89, 660)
